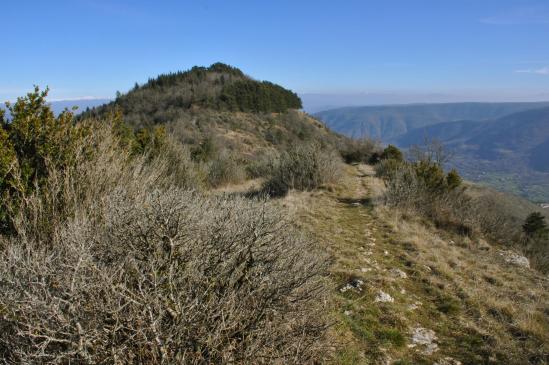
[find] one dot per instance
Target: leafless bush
(163, 277)
(262, 165)
(362, 150)
(304, 167)
(431, 150)
(224, 169)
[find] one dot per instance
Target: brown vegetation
(113, 259)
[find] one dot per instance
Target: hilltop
(222, 108)
(219, 87)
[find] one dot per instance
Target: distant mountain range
(391, 121)
(82, 104)
(504, 145)
(523, 135)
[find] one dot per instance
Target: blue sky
(480, 49)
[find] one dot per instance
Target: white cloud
(539, 71)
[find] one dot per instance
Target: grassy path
(407, 294)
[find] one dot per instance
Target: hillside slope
(407, 293)
(512, 145)
(219, 107)
(391, 121)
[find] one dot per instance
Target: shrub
(262, 165)
(453, 180)
(535, 225)
(362, 150)
(166, 276)
(32, 143)
(225, 169)
(423, 187)
(386, 169)
(392, 153)
(303, 167)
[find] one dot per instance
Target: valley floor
(406, 293)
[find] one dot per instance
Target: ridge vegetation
(235, 229)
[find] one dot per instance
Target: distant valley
(504, 145)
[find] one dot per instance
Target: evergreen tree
(535, 225)
(392, 153)
(453, 179)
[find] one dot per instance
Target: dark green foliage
(428, 176)
(423, 187)
(431, 175)
(392, 152)
(32, 143)
(253, 96)
(194, 76)
(453, 180)
(535, 225)
(149, 140)
(35, 142)
(219, 87)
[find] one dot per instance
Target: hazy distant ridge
(389, 122)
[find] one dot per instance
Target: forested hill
(219, 87)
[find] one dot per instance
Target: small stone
(355, 284)
(447, 361)
(386, 253)
(399, 273)
(425, 337)
(483, 245)
(365, 269)
(384, 297)
(412, 307)
(348, 313)
(514, 258)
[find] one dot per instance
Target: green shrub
(535, 225)
(392, 153)
(423, 187)
(453, 180)
(33, 143)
